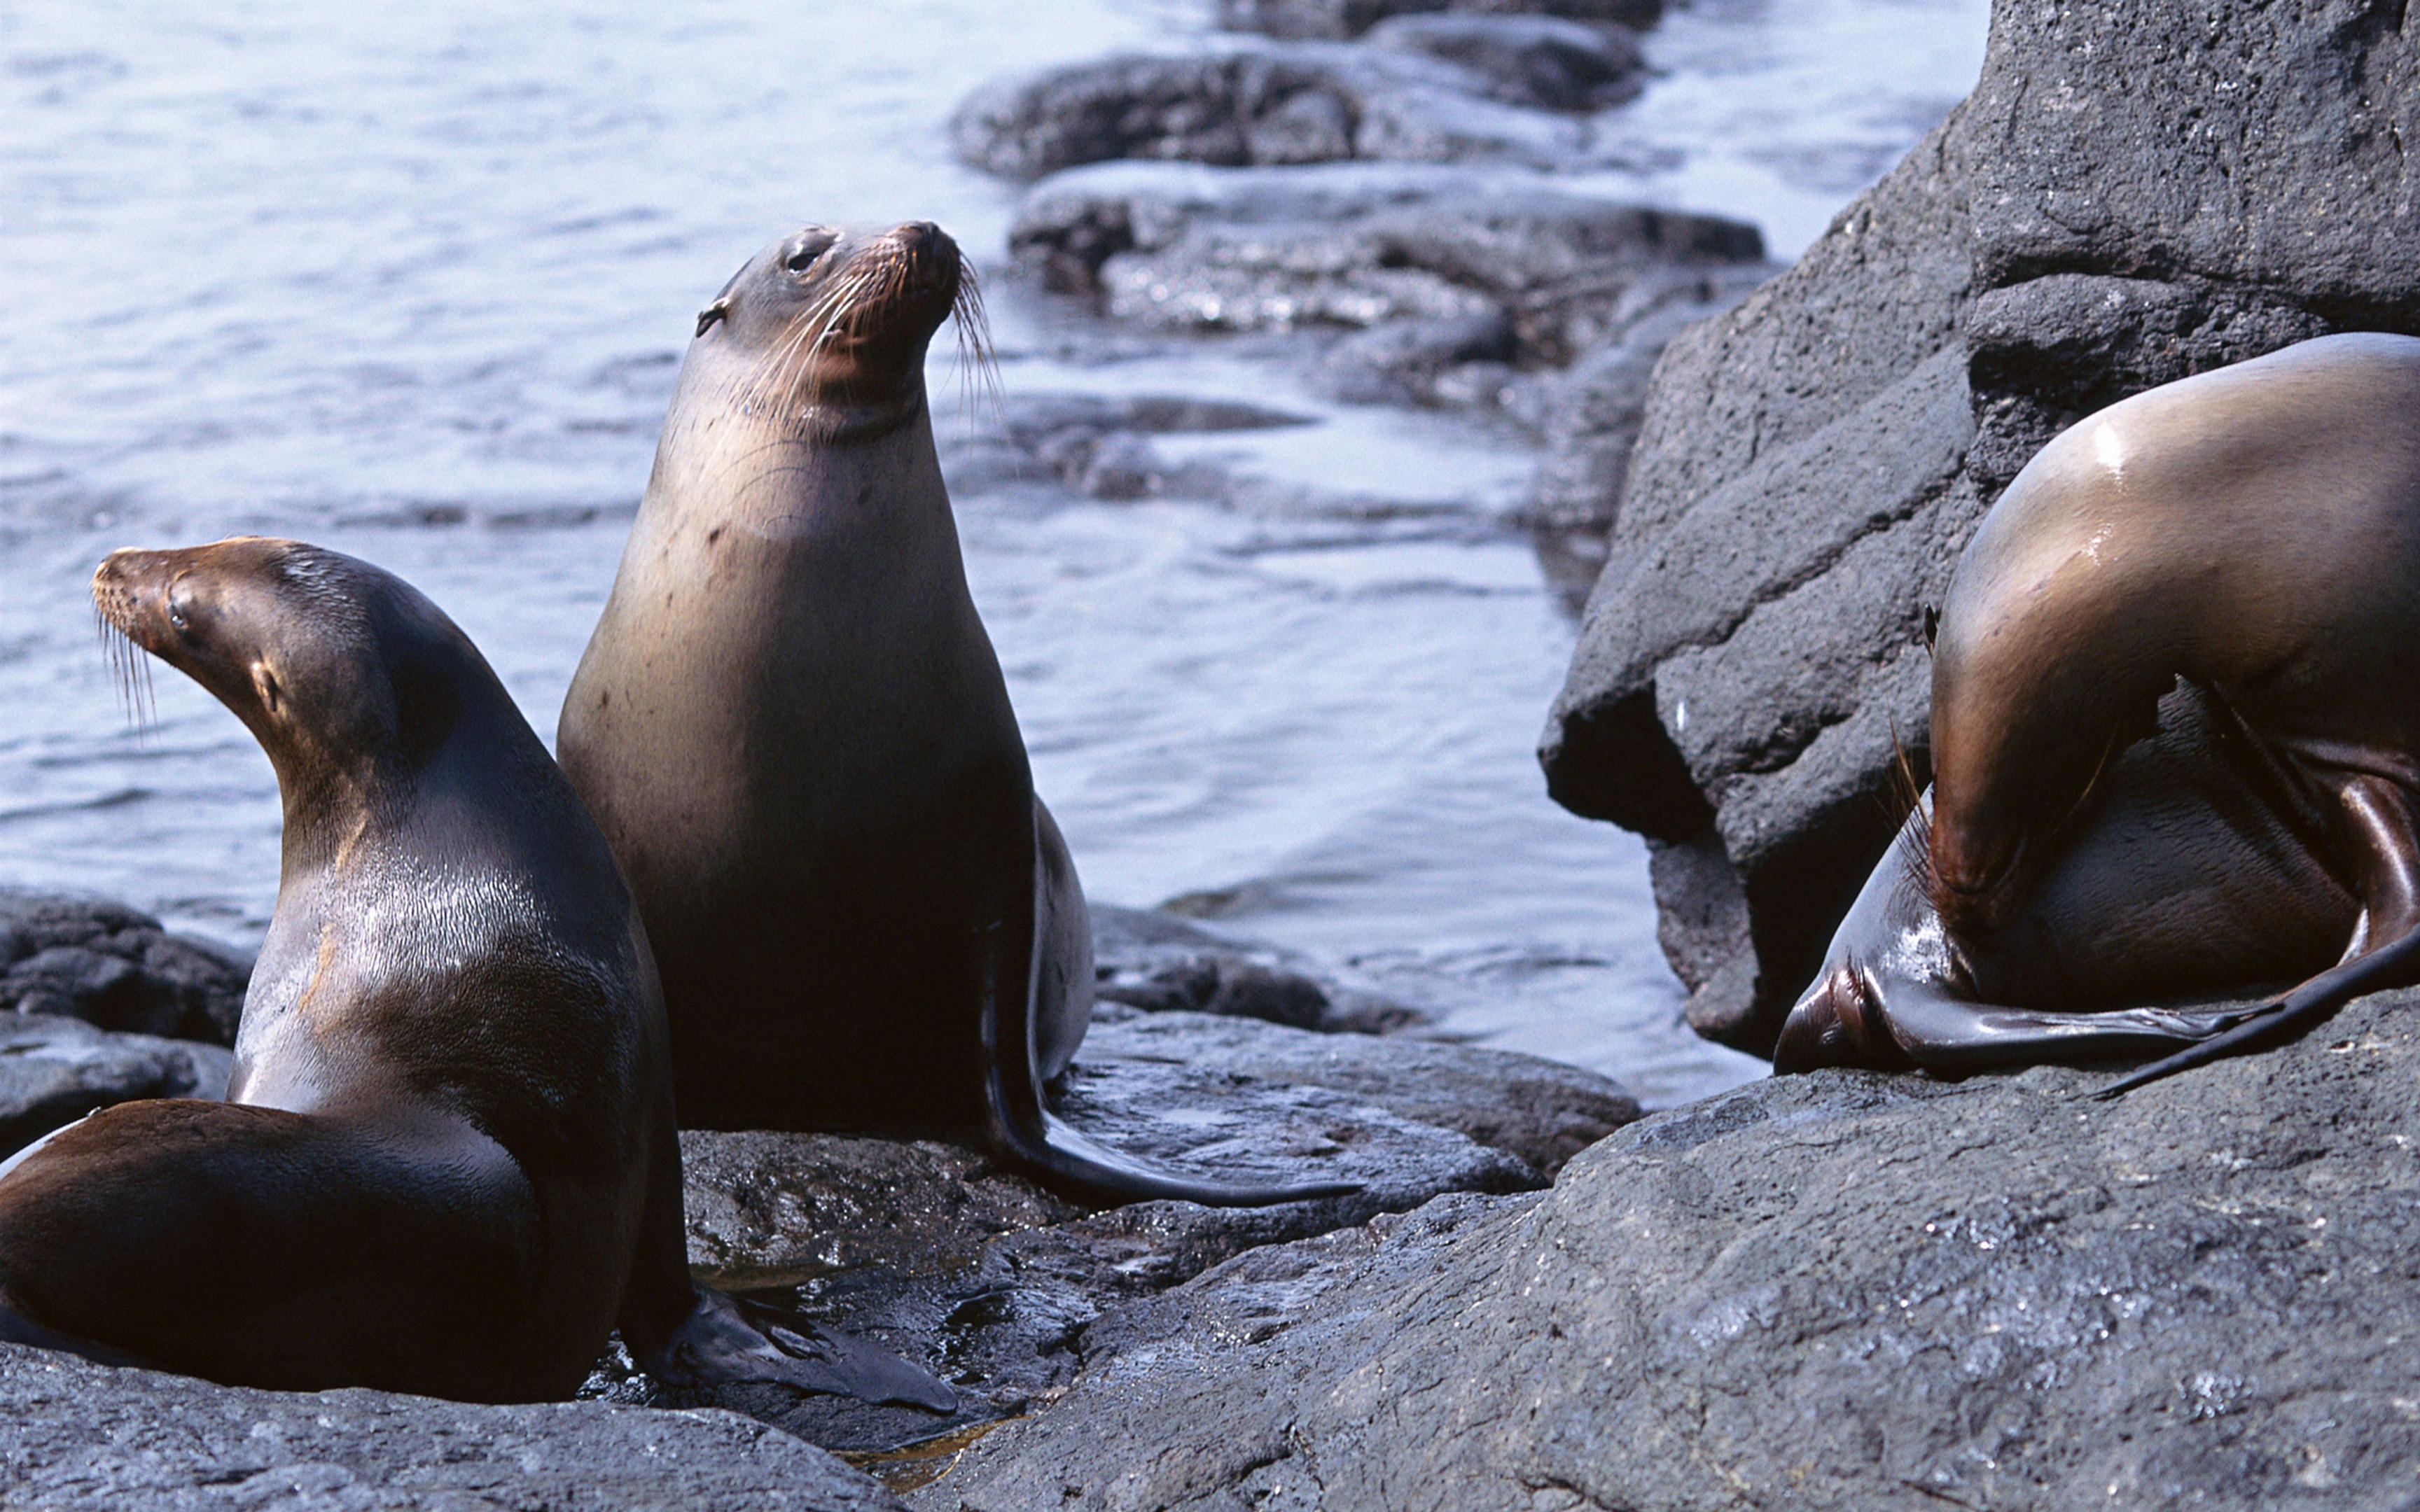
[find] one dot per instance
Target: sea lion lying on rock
(446, 1164)
(2244, 545)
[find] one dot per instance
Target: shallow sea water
(412, 282)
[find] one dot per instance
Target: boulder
(76, 1437)
(112, 967)
(1337, 20)
(1301, 102)
(56, 1069)
(2134, 193)
(1101, 446)
(1541, 61)
(939, 1252)
(1846, 1289)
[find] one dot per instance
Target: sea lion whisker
(978, 363)
(130, 675)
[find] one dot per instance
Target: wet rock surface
(76, 1435)
(1420, 285)
(54, 1069)
(1481, 90)
(940, 1253)
(1838, 1290)
(1341, 19)
(2116, 206)
(115, 968)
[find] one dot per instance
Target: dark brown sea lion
(446, 1163)
(2245, 544)
(794, 731)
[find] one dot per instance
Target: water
(411, 282)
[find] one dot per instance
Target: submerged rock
(1541, 61)
(1341, 19)
(115, 968)
(76, 1437)
(2110, 211)
(1843, 1289)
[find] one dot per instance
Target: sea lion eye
(809, 251)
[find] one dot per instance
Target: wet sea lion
(794, 731)
(446, 1163)
(2244, 543)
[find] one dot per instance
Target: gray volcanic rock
(54, 1069)
(1337, 20)
(1838, 1290)
(938, 1251)
(112, 967)
(76, 1437)
(2134, 193)
(1541, 61)
(1162, 964)
(1278, 104)
(1456, 282)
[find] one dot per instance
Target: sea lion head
(335, 666)
(825, 331)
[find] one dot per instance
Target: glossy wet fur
(447, 1161)
(433, 1170)
(2256, 532)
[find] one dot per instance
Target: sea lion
(446, 1163)
(2244, 543)
(795, 734)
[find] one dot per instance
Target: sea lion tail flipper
(1071, 1162)
(1024, 1130)
(724, 1339)
(2393, 965)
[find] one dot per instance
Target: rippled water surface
(412, 280)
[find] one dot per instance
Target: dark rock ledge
(929, 1245)
(1844, 1291)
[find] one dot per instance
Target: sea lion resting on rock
(795, 734)
(2245, 544)
(446, 1163)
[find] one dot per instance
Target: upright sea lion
(2247, 544)
(446, 1163)
(794, 731)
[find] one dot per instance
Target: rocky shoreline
(1838, 1290)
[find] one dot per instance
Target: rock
(54, 1069)
(1528, 60)
(1300, 102)
(1337, 20)
(1101, 446)
(944, 1255)
(1459, 284)
(1160, 963)
(112, 966)
(1844, 1289)
(1593, 410)
(76, 1435)
(2113, 208)
(1542, 1111)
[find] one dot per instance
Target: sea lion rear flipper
(2385, 836)
(1014, 1118)
(725, 1339)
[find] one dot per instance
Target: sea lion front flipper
(724, 1339)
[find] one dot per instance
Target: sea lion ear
(1932, 615)
(265, 686)
(719, 310)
